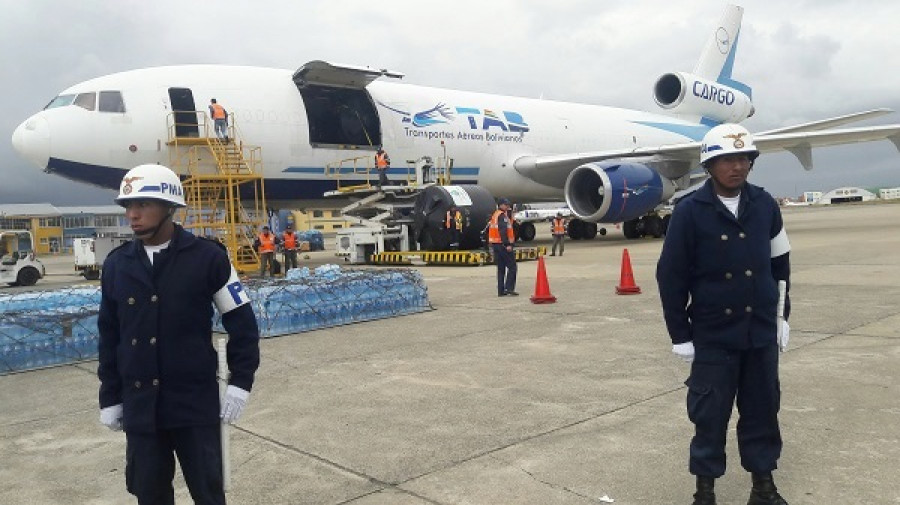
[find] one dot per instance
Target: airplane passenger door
(185, 112)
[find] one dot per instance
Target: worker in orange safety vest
(502, 237)
(382, 164)
(558, 229)
(220, 120)
(289, 242)
(265, 245)
(453, 223)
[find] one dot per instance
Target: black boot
(764, 491)
(705, 494)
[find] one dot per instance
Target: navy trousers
(506, 268)
(150, 464)
(718, 377)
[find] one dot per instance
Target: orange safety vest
(266, 243)
(290, 241)
(494, 229)
(381, 160)
(218, 112)
(451, 217)
(559, 226)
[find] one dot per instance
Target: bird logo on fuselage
(438, 114)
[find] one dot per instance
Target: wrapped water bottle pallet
(47, 328)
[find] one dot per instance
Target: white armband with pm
(232, 295)
(780, 244)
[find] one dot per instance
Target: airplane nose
(32, 141)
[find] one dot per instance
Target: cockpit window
(86, 100)
(60, 101)
(111, 101)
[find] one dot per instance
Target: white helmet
(154, 182)
(728, 138)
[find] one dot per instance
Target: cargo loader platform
(460, 258)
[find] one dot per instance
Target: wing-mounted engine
(614, 191)
(688, 94)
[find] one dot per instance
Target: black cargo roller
(430, 212)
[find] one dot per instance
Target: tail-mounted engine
(684, 93)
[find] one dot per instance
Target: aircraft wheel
(527, 232)
(630, 229)
(590, 230)
(653, 226)
(665, 223)
(576, 229)
(28, 276)
(601, 231)
(91, 275)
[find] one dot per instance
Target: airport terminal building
(55, 228)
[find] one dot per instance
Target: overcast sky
(805, 60)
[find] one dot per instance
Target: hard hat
(153, 182)
(728, 138)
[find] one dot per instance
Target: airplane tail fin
(717, 59)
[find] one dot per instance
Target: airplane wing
(824, 124)
(800, 144)
(552, 170)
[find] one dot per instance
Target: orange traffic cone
(626, 282)
(542, 287)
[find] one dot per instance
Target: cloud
(805, 60)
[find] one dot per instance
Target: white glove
(684, 351)
(111, 417)
(233, 404)
(785, 334)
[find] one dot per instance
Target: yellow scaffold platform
(461, 258)
(223, 184)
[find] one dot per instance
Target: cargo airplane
(611, 165)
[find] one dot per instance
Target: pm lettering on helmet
(171, 189)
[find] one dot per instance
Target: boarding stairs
(224, 187)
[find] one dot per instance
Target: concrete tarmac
(497, 401)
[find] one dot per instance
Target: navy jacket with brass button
(155, 324)
(718, 281)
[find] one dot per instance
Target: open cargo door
(340, 112)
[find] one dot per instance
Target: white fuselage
(477, 131)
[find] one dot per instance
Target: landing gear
(575, 229)
(651, 224)
(526, 232)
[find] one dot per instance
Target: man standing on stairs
(220, 120)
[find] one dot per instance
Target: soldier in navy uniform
(724, 253)
(157, 368)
